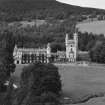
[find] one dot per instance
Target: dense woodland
(95, 44)
(18, 10)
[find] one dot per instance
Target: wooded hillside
(16, 10)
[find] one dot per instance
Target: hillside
(96, 27)
(16, 10)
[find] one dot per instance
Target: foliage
(9, 94)
(8, 59)
(86, 41)
(94, 44)
(34, 37)
(38, 82)
(3, 78)
(97, 53)
(18, 10)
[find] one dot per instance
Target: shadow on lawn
(83, 99)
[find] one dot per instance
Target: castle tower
(71, 47)
(67, 45)
(15, 50)
(66, 39)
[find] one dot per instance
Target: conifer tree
(9, 60)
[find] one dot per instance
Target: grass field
(97, 27)
(29, 23)
(78, 81)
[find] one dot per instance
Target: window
(17, 62)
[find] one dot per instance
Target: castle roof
(31, 50)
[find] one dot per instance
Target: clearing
(96, 27)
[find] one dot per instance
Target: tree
(9, 60)
(103, 53)
(38, 81)
(9, 95)
(97, 53)
(3, 78)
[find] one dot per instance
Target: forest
(18, 10)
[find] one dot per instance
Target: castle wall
(26, 56)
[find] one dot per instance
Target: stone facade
(31, 55)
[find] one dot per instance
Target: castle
(44, 55)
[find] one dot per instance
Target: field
(78, 81)
(28, 23)
(97, 27)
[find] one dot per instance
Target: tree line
(94, 44)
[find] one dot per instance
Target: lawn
(97, 27)
(79, 81)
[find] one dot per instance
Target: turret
(48, 50)
(76, 44)
(15, 54)
(66, 39)
(75, 36)
(15, 50)
(15, 47)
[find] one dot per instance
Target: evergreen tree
(39, 82)
(9, 59)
